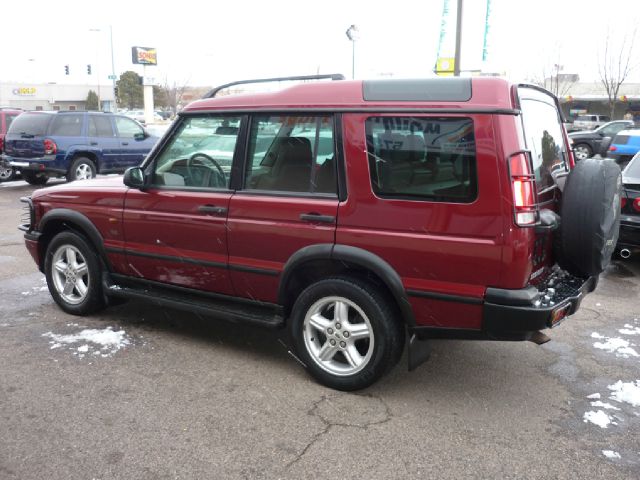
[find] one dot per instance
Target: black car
(587, 144)
(629, 241)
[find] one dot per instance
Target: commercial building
(53, 96)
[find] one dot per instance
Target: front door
(175, 230)
(288, 199)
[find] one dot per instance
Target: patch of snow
(619, 346)
(598, 304)
(106, 342)
(630, 330)
(594, 395)
(626, 392)
(610, 454)
(599, 418)
(597, 335)
(606, 406)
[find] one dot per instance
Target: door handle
(125, 143)
(212, 209)
(93, 143)
(317, 218)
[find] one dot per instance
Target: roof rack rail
(333, 76)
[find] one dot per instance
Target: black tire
(7, 173)
(84, 272)
(356, 359)
(33, 178)
(582, 151)
(81, 168)
(590, 214)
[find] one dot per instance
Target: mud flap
(419, 352)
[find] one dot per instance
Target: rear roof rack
(333, 76)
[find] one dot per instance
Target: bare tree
(174, 92)
(614, 65)
(551, 76)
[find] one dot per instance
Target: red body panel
(264, 231)
(436, 247)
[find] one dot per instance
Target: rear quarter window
(543, 136)
(30, 124)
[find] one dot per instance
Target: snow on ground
(38, 288)
(90, 341)
(619, 346)
(626, 392)
(598, 417)
(610, 454)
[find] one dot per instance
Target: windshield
(30, 124)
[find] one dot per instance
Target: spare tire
(590, 214)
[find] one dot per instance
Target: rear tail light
(623, 203)
(613, 148)
(636, 204)
(524, 193)
(50, 147)
(1, 144)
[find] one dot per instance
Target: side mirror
(134, 178)
(141, 136)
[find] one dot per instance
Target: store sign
(144, 56)
(25, 91)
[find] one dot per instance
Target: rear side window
(290, 153)
(9, 119)
(31, 124)
(67, 125)
(432, 159)
(543, 138)
(100, 126)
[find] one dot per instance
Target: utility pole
(456, 61)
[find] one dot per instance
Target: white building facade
(53, 96)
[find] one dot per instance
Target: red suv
(355, 214)
(7, 115)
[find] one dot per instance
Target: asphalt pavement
(144, 392)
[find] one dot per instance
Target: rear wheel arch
(93, 156)
(317, 262)
(61, 219)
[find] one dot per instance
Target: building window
(56, 108)
(72, 107)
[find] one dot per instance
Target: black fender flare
(82, 222)
(354, 255)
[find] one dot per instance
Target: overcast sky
(209, 43)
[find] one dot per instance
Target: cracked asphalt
(190, 397)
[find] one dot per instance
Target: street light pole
(352, 34)
(113, 71)
(97, 30)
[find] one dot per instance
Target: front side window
(199, 154)
(418, 158)
(543, 137)
(127, 128)
(291, 153)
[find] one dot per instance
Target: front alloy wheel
(6, 173)
(73, 274)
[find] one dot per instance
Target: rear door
(287, 200)
(424, 196)
(175, 230)
(104, 142)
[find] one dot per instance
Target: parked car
(351, 213)
(139, 116)
(624, 146)
(629, 241)
(589, 121)
(7, 115)
(588, 143)
(77, 145)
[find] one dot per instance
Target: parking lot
(143, 392)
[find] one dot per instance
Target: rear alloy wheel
(582, 151)
(346, 333)
(6, 174)
(73, 274)
(81, 169)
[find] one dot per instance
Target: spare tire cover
(590, 214)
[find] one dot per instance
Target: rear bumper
(506, 312)
(38, 164)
